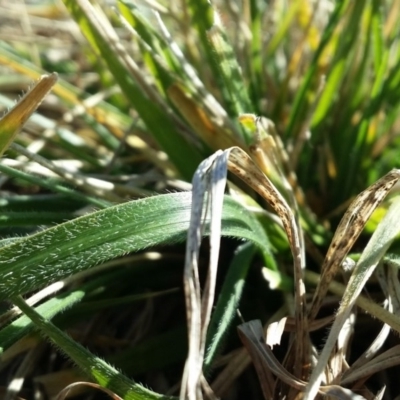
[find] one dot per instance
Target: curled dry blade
(349, 229)
(243, 166)
(238, 162)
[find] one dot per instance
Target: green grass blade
(254, 56)
(300, 99)
(227, 303)
(39, 202)
(350, 168)
(230, 71)
(23, 325)
(201, 12)
(182, 154)
(340, 63)
(52, 185)
(13, 219)
(158, 57)
(50, 255)
(377, 34)
(286, 18)
(93, 366)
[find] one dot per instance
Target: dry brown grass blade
(265, 363)
(241, 165)
(72, 390)
(337, 362)
(201, 121)
(363, 302)
(224, 381)
(207, 200)
(239, 359)
(12, 122)
(380, 241)
(392, 291)
(274, 332)
(208, 183)
(348, 231)
(388, 359)
(251, 334)
(273, 151)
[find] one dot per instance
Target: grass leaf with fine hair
(93, 366)
(80, 244)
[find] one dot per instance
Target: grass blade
(93, 366)
(13, 121)
(376, 248)
(104, 40)
(348, 231)
(227, 304)
(79, 244)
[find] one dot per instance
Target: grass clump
(161, 128)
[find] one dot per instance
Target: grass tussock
(190, 189)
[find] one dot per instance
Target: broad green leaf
(58, 252)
